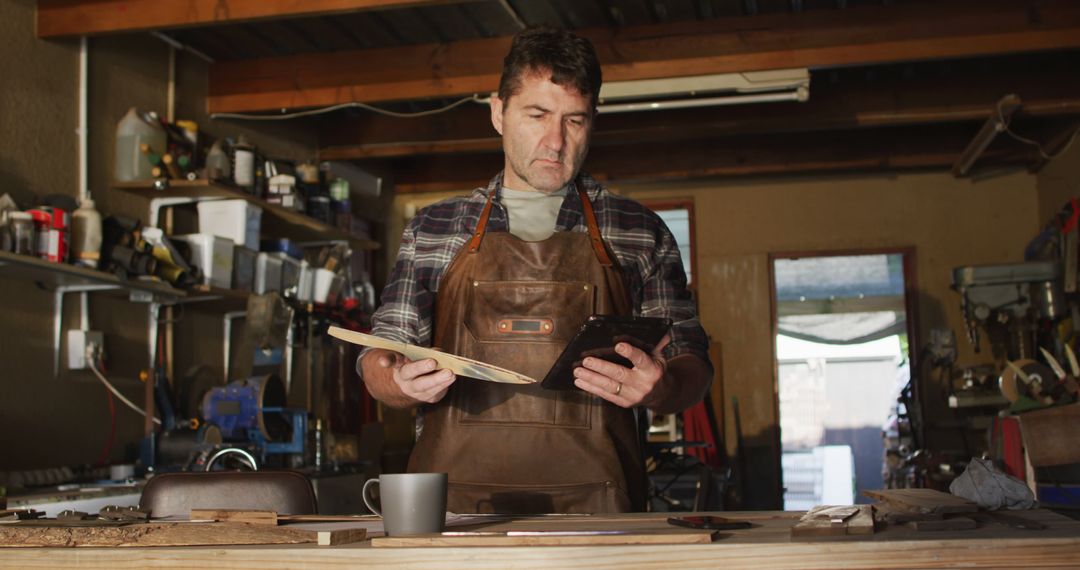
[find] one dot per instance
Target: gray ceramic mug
(412, 503)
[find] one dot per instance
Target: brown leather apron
(522, 449)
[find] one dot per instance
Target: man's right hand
(416, 382)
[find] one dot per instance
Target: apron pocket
(593, 497)
(557, 308)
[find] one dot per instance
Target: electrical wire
(112, 431)
(116, 393)
(1047, 157)
(351, 105)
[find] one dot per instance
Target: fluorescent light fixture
(997, 122)
(705, 90)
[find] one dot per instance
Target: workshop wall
(739, 223)
(40, 415)
(1058, 182)
(949, 222)
(63, 420)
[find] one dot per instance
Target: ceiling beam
(868, 150)
(929, 94)
(68, 18)
(863, 35)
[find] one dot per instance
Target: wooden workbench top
(768, 545)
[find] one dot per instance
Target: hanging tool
(1064, 390)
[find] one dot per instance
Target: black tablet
(598, 337)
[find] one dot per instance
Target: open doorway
(842, 327)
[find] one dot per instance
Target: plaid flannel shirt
(643, 245)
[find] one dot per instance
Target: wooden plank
(821, 521)
(923, 501)
(811, 526)
(862, 522)
(768, 546)
(841, 151)
(66, 18)
(391, 150)
(338, 537)
(275, 219)
(545, 538)
(861, 35)
(236, 516)
(889, 515)
(152, 534)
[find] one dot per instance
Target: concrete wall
(47, 420)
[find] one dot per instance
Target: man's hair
(571, 60)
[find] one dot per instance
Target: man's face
(545, 129)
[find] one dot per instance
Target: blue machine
(252, 410)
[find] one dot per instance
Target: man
(506, 276)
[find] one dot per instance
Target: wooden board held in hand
(459, 365)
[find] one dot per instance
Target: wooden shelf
(276, 219)
(53, 276)
(216, 299)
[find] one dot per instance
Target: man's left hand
(639, 385)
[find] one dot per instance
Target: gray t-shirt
(532, 215)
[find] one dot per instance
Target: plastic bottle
(244, 163)
(86, 235)
(132, 132)
(217, 163)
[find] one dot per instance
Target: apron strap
(481, 225)
(594, 230)
(590, 221)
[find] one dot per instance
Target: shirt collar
(570, 214)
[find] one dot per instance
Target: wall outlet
(77, 341)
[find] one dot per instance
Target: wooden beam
(1048, 86)
(66, 18)
(869, 150)
(862, 35)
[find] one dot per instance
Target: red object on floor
(1009, 446)
(698, 427)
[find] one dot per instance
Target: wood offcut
(826, 520)
(923, 501)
